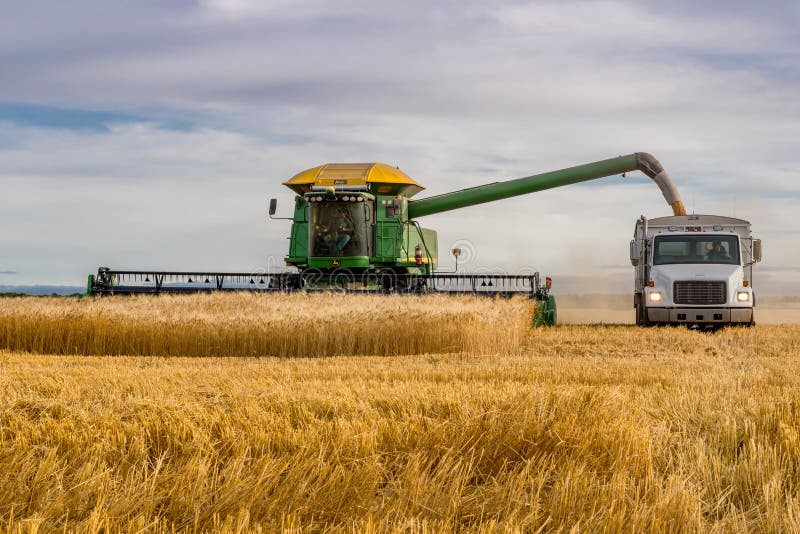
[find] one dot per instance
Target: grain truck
(695, 270)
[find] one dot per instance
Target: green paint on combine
(545, 311)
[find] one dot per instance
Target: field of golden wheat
(263, 325)
(582, 428)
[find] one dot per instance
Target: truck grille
(700, 292)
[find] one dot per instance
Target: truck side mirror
(634, 253)
(273, 206)
(756, 250)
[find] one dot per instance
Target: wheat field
(243, 324)
(574, 428)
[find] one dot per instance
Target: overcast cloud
(150, 134)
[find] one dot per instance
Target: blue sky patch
(76, 119)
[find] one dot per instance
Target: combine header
(355, 228)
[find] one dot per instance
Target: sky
(144, 134)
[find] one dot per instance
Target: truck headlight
(742, 296)
(655, 296)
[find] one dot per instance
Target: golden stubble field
(583, 428)
(285, 325)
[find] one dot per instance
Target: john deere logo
(335, 263)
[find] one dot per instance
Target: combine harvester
(355, 229)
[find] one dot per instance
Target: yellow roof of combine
(388, 180)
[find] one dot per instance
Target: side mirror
(634, 253)
(273, 206)
(756, 250)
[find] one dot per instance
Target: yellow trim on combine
(354, 174)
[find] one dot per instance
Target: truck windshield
(340, 229)
(696, 249)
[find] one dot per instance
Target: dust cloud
(618, 309)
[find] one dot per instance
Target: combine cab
(355, 217)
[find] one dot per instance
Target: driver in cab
(717, 252)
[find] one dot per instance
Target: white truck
(695, 270)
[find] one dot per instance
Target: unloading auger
(355, 228)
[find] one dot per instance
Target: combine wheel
(294, 283)
(285, 282)
(411, 283)
(386, 279)
(275, 283)
(402, 283)
(382, 280)
(311, 278)
(417, 284)
(341, 279)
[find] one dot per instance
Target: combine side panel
(298, 237)
(431, 246)
(387, 239)
(545, 311)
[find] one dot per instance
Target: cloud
(446, 58)
(297, 9)
(151, 134)
(607, 24)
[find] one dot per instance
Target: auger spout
(640, 161)
(650, 166)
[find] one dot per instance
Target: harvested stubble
(264, 325)
(592, 428)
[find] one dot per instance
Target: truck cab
(694, 270)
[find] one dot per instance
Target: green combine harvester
(355, 228)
